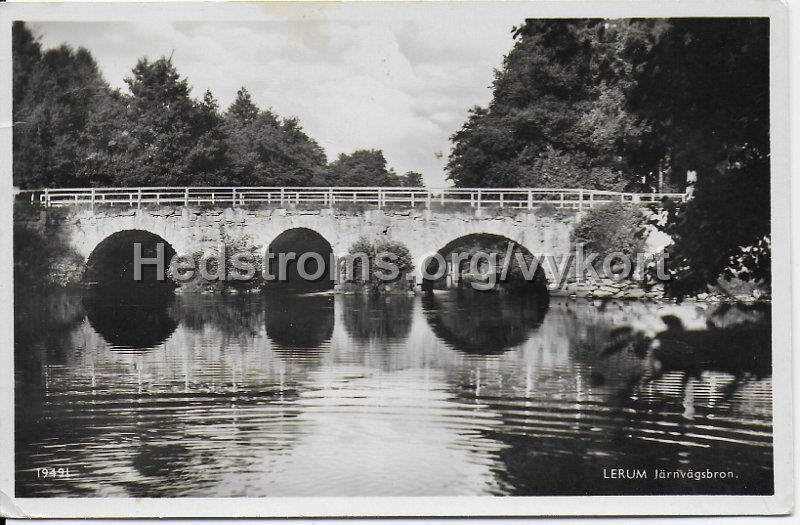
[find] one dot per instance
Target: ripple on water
(342, 401)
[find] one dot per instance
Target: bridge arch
(539, 236)
(112, 261)
(90, 230)
(301, 241)
(490, 243)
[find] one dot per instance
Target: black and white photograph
(363, 250)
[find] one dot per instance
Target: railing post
(138, 198)
(591, 199)
(501, 199)
(427, 198)
(530, 199)
(330, 197)
(479, 198)
(282, 195)
(92, 201)
(561, 198)
(233, 193)
(46, 198)
(186, 197)
(580, 199)
(380, 198)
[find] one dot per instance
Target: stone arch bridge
(424, 233)
(190, 224)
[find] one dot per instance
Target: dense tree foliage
(412, 179)
(362, 168)
(703, 87)
(621, 104)
(55, 93)
(267, 150)
(558, 116)
(72, 129)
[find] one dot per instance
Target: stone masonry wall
(423, 231)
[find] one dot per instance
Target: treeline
(71, 129)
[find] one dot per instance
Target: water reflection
(59, 311)
(238, 317)
(484, 323)
(139, 320)
(731, 344)
(445, 395)
(375, 317)
(299, 326)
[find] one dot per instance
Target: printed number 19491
(52, 472)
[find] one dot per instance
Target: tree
(26, 54)
(703, 87)
(266, 150)
(412, 179)
(55, 93)
(161, 123)
(108, 157)
(208, 161)
(361, 168)
(243, 109)
(622, 104)
(557, 117)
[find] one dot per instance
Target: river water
(451, 394)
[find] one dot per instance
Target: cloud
(402, 85)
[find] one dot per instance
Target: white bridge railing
(375, 196)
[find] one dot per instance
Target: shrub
(42, 253)
(370, 280)
(614, 227)
(228, 246)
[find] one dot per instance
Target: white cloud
(400, 85)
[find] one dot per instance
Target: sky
(401, 84)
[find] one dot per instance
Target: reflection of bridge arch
(490, 243)
(484, 324)
(111, 262)
(299, 327)
(131, 324)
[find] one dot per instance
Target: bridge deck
(330, 196)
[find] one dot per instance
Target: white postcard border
(779, 503)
